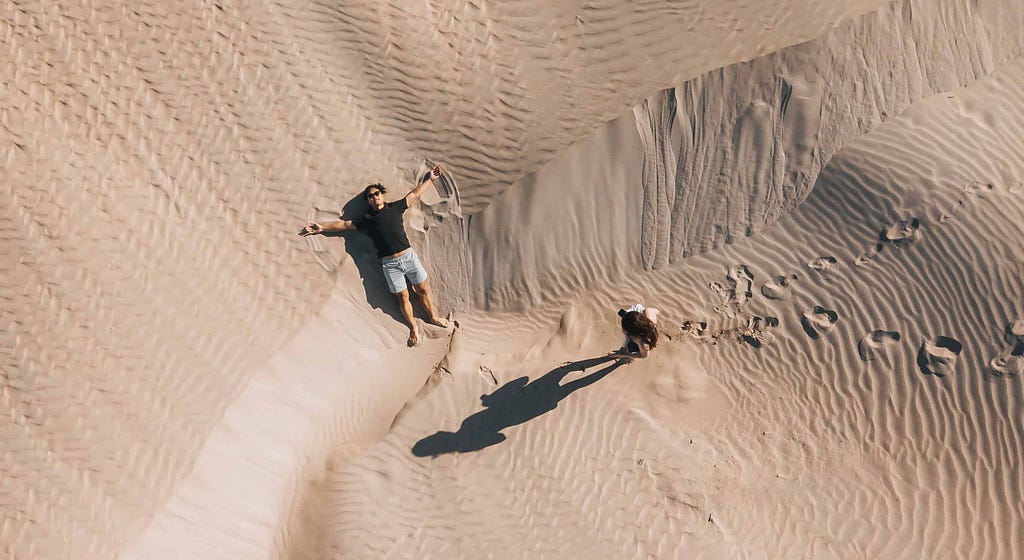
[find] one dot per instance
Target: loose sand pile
(826, 202)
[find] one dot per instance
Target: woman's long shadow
(512, 404)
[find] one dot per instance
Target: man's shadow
(364, 255)
(512, 404)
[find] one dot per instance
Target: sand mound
(187, 378)
(797, 448)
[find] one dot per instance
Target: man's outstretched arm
(315, 228)
(414, 195)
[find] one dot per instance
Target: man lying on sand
(640, 325)
(384, 224)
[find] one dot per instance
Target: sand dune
(828, 197)
(874, 459)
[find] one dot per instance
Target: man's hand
(312, 229)
(414, 195)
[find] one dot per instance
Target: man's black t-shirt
(385, 228)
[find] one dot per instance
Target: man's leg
(395, 278)
(418, 277)
(423, 291)
(405, 306)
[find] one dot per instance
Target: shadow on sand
(364, 255)
(513, 403)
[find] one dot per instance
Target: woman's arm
(644, 350)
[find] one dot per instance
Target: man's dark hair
(378, 186)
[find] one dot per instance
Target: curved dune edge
(329, 390)
(502, 88)
(158, 271)
(797, 447)
(156, 162)
(725, 154)
(706, 397)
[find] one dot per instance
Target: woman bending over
(640, 325)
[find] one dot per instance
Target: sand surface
(825, 200)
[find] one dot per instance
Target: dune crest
(185, 377)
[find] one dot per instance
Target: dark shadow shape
(514, 403)
(364, 255)
(944, 342)
(1015, 340)
(752, 341)
(360, 248)
(922, 362)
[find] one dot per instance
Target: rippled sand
(829, 198)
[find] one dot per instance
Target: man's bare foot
(439, 322)
(414, 338)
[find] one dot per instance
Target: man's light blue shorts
(396, 269)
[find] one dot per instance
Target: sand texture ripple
(824, 199)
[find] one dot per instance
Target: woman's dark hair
(637, 325)
(378, 186)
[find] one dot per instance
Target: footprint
(777, 287)
(1012, 363)
(869, 255)
(818, 321)
(902, 232)
(876, 343)
(696, 329)
(938, 356)
(1007, 365)
(946, 217)
(740, 282)
(897, 234)
(827, 262)
(978, 189)
(1015, 336)
(758, 331)
(974, 188)
(743, 280)
(1015, 331)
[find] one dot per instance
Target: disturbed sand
(825, 202)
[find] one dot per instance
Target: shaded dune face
(813, 436)
(838, 435)
(727, 153)
(533, 77)
(157, 164)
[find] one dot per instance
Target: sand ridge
(876, 458)
(184, 376)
